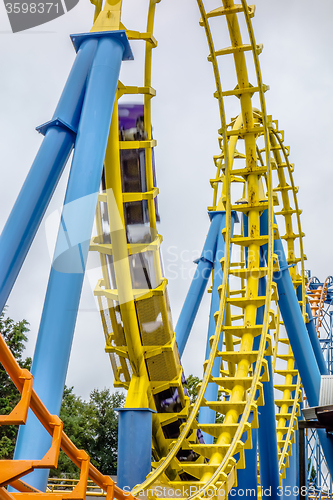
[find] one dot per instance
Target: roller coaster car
(151, 299)
(133, 171)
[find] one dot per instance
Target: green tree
(104, 429)
(92, 426)
(192, 385)
(14, 335)
(75, 415)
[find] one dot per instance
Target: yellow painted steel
(220, 455)
(138, 389)
(291, 393)
(252, 157)
(140, 366)
(239, 143)
(109, 18)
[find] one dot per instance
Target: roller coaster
(264, 353)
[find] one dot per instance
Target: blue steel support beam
(206, 415)
(291, 480)
(65, 283)
(247, 483)
(267, 438)
(298, 335)
(301, 405)
(292, 472)
(289, 483)
(199, 283)
(38, 188)
(134, 446)
(313, 336)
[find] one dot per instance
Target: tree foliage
(14, 335)
(92, 426)
(191, 385)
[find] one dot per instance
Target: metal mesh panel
(164, 366)
(154, 321)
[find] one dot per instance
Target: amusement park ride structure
(262, 348)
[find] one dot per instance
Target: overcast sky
(297, 65)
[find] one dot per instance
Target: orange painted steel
(12, 470)
(317, 302)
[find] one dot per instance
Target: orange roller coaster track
(12, 470)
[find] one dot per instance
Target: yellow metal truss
(252, 156)
(240, 385)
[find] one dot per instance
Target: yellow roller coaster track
(216, 463)
(145, 368)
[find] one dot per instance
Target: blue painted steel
(206, 415)
(134, 446)
(38, 188)
(118, 35)
(289, 482)
(65, 283)
(199, 283)
(293, 320)
(298, 335)
(247, 483)
(55, 122)
(301, 405)
(267, 438)
(313, 336)
(247, 478)
(292, 473)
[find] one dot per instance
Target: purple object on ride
(131, 128)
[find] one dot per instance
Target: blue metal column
(199, 283)
(292, 473)
(267, 439)
(298, 335)
(206, 415)
(297, 444)
(45, 172)
(313, 336)
(289, 482)
(65, 283)
(247, 479)
(134, 446)
(247, 482)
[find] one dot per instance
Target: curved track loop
(290, 388)
(223, 463)
(150, 368)
(219, 464)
